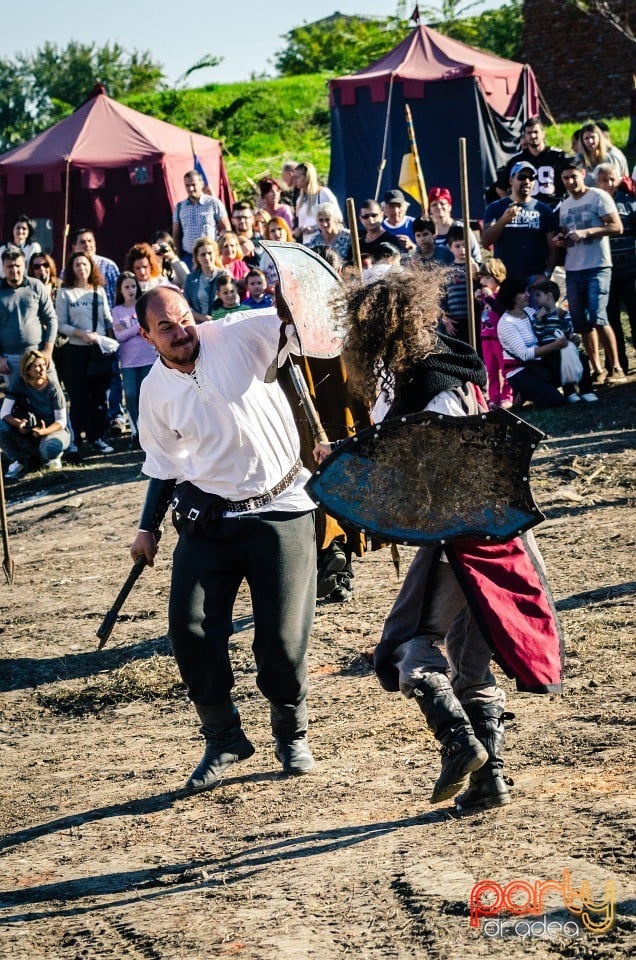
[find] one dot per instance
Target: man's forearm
(493, 232)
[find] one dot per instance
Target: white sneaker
(589, 397)
(102, 446)
(55, 464)
(574, 398)
(15, 469)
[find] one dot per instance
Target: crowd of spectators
(552, 217)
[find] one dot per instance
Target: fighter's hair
(391, 325)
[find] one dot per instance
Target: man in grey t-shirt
(27, 314)
(588, 218)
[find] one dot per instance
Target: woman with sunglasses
(521, 228)
(42, 267)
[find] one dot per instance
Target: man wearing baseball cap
(396, 221)
(521, 228)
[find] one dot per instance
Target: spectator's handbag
(571, 366)
(100, 365)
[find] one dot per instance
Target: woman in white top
(310, 197)
(522, 354)
(22, 233)
(84, 315)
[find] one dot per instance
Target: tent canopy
(118, 161)
(453, 91)
(426, 56)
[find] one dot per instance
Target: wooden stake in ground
(7, 563)
(470, 296)
(355, 240)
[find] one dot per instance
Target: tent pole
(66, 208)
(470, 297)
(386, 136)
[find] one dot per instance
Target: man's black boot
(462, 753)
(331, 561)
(226, 744)
(487, 787)
(289, 727)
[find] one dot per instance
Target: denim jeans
(20, 447)
(588, 295)
(133, 377)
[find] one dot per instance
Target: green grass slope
(261, 122)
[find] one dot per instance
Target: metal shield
(428, 478)
(308, 284)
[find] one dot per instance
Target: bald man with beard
(222, 447)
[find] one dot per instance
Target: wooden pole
(355, 240)
(67, 226)
(418, 167)
(7, 561)
(470, 296)
(386, 137)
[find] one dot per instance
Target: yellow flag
(408, 179)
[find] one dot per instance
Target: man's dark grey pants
(276, 554)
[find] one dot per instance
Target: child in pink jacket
(491, 274)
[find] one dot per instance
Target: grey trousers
(447, 619)
(276, 554)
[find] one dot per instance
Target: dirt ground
(102, 857)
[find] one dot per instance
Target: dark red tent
(106, 167)
(453, 91)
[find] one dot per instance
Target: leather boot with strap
(487, 787)
(289, 727)
(226, 744)
(461, 751)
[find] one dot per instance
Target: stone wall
(584, 65)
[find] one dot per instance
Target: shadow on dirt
(233, 869)
(601, 596)
(23, 672)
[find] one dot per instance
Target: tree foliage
(20, 106)
(498, 31)
(339, 44)
(36, 89)
(448, 11)
(342, 44)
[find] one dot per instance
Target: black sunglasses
(365, 216)
(525, 176)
